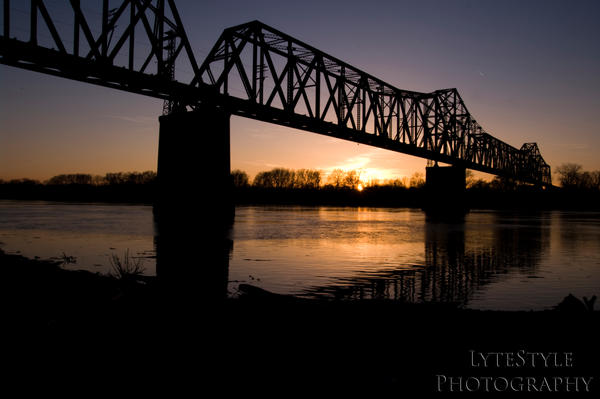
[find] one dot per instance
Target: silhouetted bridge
(253, 71)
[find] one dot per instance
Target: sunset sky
(529, 71)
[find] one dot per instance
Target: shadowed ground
(83, 332)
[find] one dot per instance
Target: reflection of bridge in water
(458, 264)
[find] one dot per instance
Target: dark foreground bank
(84, 332)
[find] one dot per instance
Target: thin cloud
(352, 163)
(364, 165)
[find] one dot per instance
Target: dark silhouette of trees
(352, 179)
(21, 182)
(281, 178)
(341, 179)
(76, 178)
(275, 178)
(239, 178)
(571, 177)
(568, 174)
(111, 179)
(307, 178)
(398, 183)
(478, 185)
(130, 178)
(336, 178)
(417, 180)
(580, 189)
(138, 187)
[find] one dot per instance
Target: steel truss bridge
(253, 71)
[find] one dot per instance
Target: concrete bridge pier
(194, 163)
(445, 192)
(194, 210)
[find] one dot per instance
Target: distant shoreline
(388, 197)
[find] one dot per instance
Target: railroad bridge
(254, 71)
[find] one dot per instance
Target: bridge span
(254, 71)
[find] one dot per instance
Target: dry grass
(127, 269)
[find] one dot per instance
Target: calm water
(494, 260)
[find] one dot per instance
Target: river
(493, 260)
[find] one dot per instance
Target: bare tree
(417, 180)
(336, 178)
(275, 178)
(569, 175)
(352, 179)
(307, 178)
(75, 178)
(239, 178)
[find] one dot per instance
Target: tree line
(83, 179)
(283, 178)
(570, 176)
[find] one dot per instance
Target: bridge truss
(258, 72)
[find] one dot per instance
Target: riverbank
(85, 328)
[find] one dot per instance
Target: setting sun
(359, 187)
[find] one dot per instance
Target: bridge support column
(194, 209)
(445, 191)
(194, 162)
